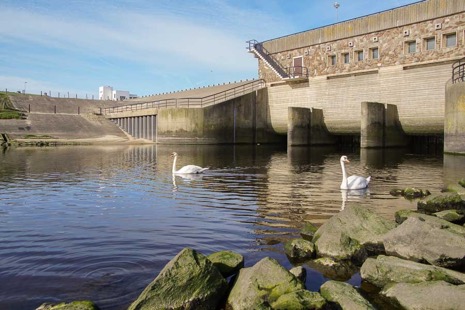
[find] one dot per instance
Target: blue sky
(149, 46)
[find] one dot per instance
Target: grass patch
(6, 108)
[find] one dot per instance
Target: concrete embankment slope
(61, 120)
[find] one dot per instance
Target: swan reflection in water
(187, 177)
(353, 195)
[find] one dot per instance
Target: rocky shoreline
(414, 261)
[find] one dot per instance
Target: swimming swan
(354, 181)
(189, 169)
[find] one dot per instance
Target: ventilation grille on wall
(351, 44)
(438, 26)
(306, 53)
(406, 33)
(375, 39)
(328, 48)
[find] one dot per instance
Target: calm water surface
(99, 223)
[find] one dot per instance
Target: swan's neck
(344, 175)
(174, 164)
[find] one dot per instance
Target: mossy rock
(299, 249)
(344, 295)
(227, 262)
(299, 300)
(75, 305)
(451, 201)
(188, 281)
(452, 216)
(308, 231)
(412, 192)
(462, 182)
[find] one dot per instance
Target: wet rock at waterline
(308, 231)
(453, 216)
(332, 269)
(382, 270)
(352, 234)
(188, 281)
(426, 295)
(410, 192)
(426, 241)
(403, 215)
(344, 296)
(442, 202)
(227, 262)
(299, 249)
(74, 305)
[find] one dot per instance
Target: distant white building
(107, 93)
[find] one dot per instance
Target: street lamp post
(25, 87)
(336, 6)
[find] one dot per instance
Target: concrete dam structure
(401, 57)
(380, 77)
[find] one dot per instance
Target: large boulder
(227, 262)
(427, 295)
(188, 281)
(421, 240)
(401, 216)
(344, 296)
(383, 270)
(265, 286)
(442, 202)
(352, 234)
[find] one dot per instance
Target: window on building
(430, 43)
(345, 58)
(332, 60)
(374, 53)
(411, 47)
(359, 55)
(450, 40)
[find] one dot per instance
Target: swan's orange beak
(347, 161)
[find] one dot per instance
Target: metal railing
(458, 71)
(272, 61)
(190, 102)
(297, 71)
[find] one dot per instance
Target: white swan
(354, 181)
(189, 169)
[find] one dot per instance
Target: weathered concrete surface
(454, 118)
(380, 126)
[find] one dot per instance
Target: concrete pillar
(454, 119)
(307, 127)
(298, 130)
(372, 125)
(319, 134)
(380, 126)
(393, 133)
